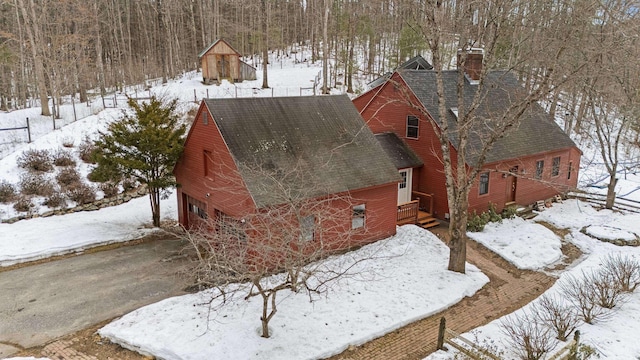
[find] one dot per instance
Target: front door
(404, 186)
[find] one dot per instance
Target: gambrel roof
(315, 145)
(536, 132)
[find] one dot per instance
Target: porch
(417, 211)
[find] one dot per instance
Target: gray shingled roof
(398, 151)
(313, 145)
(536, 133)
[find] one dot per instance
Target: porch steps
(426, 221)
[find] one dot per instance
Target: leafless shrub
(608, 294)
(35, 160)
(63, 158)
(7, 192)
(129, 184)
(86, 149)
(81, 193)
(561, 317)
(109, 189)
(36, 184)
(56, 200)
(582, 293)
(23, 204)
(529, 339)
(623, 270)
(68, 177)
(68, 142)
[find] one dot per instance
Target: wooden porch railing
(408, 213)
(425, 201)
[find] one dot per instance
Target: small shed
(221, 61)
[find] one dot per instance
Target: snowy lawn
(613, 338)
(405, 281)
(38, 238)
(525, 244)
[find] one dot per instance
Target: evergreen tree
(144, 145)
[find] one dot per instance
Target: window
(207, 157)
(539, 169)
(307, 227)
(454, 110)
(197, 207)
(358, 216)
(570, 170)
(205, 118)
(484, 183)
(403, 183)
(555, 166)
(412, 127)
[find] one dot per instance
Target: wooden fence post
(573, 352)
(443, 326)
(28, 130)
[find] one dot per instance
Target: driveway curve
(42, 302)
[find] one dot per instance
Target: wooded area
(50, 48)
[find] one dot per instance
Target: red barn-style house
(246, 156)
(534, 161)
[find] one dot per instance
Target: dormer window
(454, 111)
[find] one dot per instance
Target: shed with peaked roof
(221, 61)
(245, 155)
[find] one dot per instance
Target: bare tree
(277, 248)
(611, 83)
(490, 26)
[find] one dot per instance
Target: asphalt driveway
(42, 302)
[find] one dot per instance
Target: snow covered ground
(405, 280)
(407, 287)
(39, 238)
(525, 244)
(614, 338)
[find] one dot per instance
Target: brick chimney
(473, 63)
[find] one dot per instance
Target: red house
(533, 162)
(246, 156)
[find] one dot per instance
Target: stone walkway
(509, 289)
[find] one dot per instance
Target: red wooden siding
(385, 109)
(224, 191)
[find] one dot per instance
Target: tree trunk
(265, 45)
(162, 38)
(325, 49)
(154, 198)
(35, 40)
(458, 234)
(611, 190)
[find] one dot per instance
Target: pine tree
(145, 146)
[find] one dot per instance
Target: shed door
(224, 68)
(404, 186)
